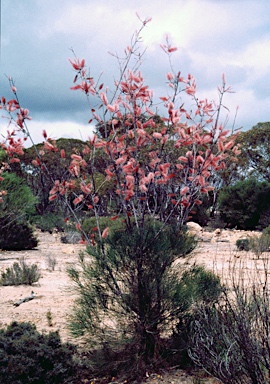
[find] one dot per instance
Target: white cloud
(55, 130)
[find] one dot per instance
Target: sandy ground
(53, 293)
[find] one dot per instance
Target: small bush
(126, 295)
(16, 236)
(260, 244)
(49, 318)
(51, 263)
(242, 244)
(197, 286)
(266, 231)
(20, 273)
(26, 356)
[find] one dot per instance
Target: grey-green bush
(20, 273)
(29, 357)
(242, 244)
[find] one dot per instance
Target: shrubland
(130, 189)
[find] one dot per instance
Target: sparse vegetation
(230, 338)
(51, 262)
(20, 273)
(49, 318)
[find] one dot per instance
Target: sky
(212, 37)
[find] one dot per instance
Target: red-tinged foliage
(149, 159)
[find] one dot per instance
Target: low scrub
(16, 235)
(242, 244)
(50, 222)
(260, 244)
(20, 273)
(27, 356)
(230, 338)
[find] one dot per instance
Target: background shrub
(242, 244)
(49, 222)
(17, 206)
(260, 244)
(243, 204)
(26, 356)
(20, 273)
(16, 235)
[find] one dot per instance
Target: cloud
(212, 37)
(55, 130)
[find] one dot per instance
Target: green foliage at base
(132, 294)
(26, 356)
(89, 223)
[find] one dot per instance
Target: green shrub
(127, 296)
(243, 204)
(26, 356)
(197, 286)
(266, 231)
(20, 273)
(16, 235)
(242, 244)
(260, 244)
(49, 222)
(19, 202)
(17, 206)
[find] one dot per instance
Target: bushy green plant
(127, 293)
(89, 224)
(17, 206)
(260, 244)
(242, 244)
(19, 202)
(244, 203)
(20, 273)
(196, 286)
(16, 235)
(26, 356)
